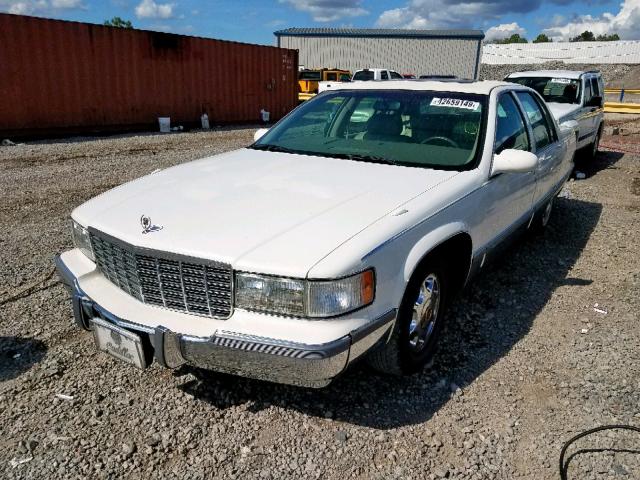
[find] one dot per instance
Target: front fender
(430, 241)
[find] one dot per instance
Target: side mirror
(595, 102)
(259, 134)
(513, 161)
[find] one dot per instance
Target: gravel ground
(526, 361)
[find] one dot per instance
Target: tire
(413, 343)
(542, 217)
(592, 149)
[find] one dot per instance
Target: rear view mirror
(259, 134)
(513, 161)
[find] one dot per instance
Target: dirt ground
(543, 345)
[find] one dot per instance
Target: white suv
(571, 95)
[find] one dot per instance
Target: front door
(506, 198)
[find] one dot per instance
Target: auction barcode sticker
(455, 102)
(560, 80)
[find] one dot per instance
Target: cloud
(30, 7)
(423, 14)
(328, 10)
(63, 4)
(151, 9)
(626, 23)
(504, 30)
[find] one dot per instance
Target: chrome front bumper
(245, 355)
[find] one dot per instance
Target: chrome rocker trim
(251, 356)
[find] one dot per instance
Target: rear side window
(542, 132)
(587, 90)
(384, 76)
(363, 75)
(511, 132)
(332, 77)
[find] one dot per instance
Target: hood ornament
(148, 226)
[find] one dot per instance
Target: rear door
(549, 150)
(585, 119)
(595, 111)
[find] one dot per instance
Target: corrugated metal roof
(378, 32)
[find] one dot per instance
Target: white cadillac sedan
(343, 232)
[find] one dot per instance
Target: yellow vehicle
(308, 80)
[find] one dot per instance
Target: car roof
(482, 87)
(572, 74)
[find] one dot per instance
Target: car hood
(562, 111)
(258, 211)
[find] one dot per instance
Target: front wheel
(420, 321)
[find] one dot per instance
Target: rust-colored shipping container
(62, 77)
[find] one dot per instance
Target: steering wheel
(446, 140)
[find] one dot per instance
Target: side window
(511, 131)
(587, 91)
(595, 88)
(332, 77)
(396, 75)
(384, 76)
(549, 119)
(542, 132)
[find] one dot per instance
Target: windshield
(557, 90)
(411, 128)
(310, 75)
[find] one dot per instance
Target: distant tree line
(588, 36)
(585, 36)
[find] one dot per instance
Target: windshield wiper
(358, 157)
(267, 147)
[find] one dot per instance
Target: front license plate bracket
(120, 343)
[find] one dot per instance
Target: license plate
(118, 342)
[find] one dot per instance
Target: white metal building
(421, 52)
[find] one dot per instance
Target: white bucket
(204, 120)
(265, 115)
(165, 124)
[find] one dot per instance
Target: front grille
(186, 284)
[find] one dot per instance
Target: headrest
(382, 123)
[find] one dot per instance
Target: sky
(254, 21)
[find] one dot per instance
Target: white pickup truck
(327, 241)
(375, 74)
(571, 95)
(365, 75)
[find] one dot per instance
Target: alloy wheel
(425, 313)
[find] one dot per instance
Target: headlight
(270, 294)
(304, 298)
(81, 239)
